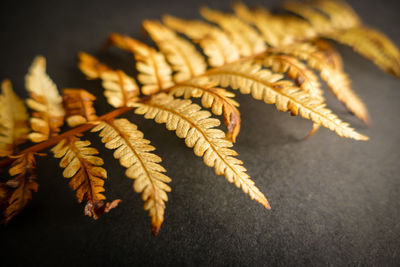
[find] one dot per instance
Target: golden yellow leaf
(239, 47)
(277, 30)
(341, 15)
(198, 130)
(90, 66)
(372, 45)
(133, 152)
(186, 61)
(250, 78)
(13, 120)
(318, 21)
(338, 21)
(248, 41)
(154, 72)
(219, 100)
(121, 90)
(328, 52)
(215, 43)
(45, 101)
(337, 81)
(303, 76)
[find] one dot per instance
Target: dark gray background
(334, 201)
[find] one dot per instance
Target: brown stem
(54, 140)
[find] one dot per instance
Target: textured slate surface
(334, 201)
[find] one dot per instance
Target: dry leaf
(263, 85)
(185, 60)
(133, 152)
(121, 89)
(17, 192)
(198, 130)
(338, 21)
(78, 104)
(45, 101)
(86, 175)
(13, 120)
(277, 30)
(215, 43)
(154, 72)
(97, 208)
(329, 54)
(304, 77)
(219, 100)
(270, 56)
(337, 80)
(248, 41)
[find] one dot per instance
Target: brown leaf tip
(155, 229)
(97, 208)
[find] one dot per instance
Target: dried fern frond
(304, 77)
(215, 43)
(384, 44)
(219, 100)
(78, 104)
(321, 56)
(198, 130)
(373, 45)
(121, 89)
(248, 40)
(45, 101)
(326, 16)
(13, 120)
(85, 174)
(338, 21)
(90, 66)
(330, 54)
(238, 49)
(318, 21)
(337, 81)
(276, 30)
(266, 86)
(341, 15)
(186, 61)
(17, 192)
(133, 152)
(154, 72)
